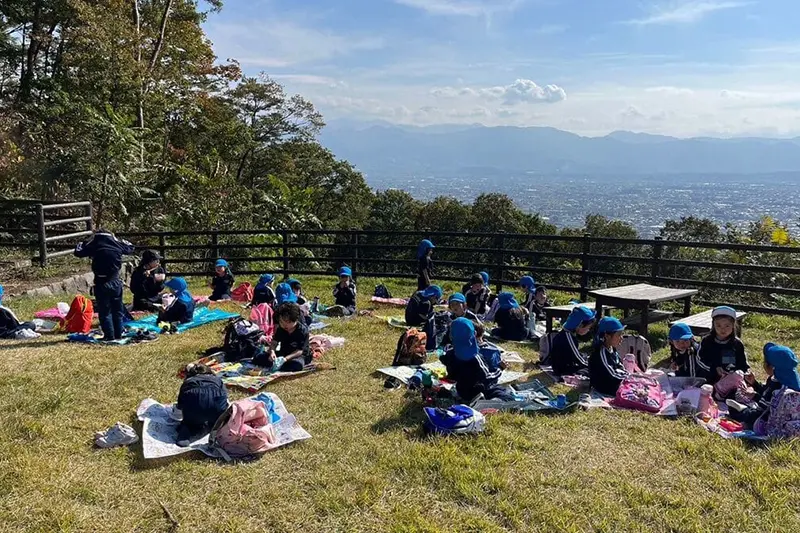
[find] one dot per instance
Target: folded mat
(404, 373)
(400, 302)
(160, 428)
(202, 316)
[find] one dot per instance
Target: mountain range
(384, 150)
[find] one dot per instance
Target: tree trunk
(34, 44)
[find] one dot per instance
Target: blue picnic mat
(202, 316)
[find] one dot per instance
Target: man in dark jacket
(147, 282)
(106, 252)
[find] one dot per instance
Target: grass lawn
(367, 468)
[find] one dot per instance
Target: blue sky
(677, 67)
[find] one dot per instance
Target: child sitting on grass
(721, 350)
(222, 282)
(474, 368)
(201, 400)
(297, 288)
(263, 293)
(511, 319)
(10, 326)
(181, 308)
(683, 353)
(290, 342)
(565, 357)
(457, 304)
(605, 366)
(419, 309)
(477, 293)
(345, 294)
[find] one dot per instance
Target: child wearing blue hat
(511, 319)
(297, 288)
(284, 294)
(344, 293)
(457, 304)
(10, 326)
(605, 366)
(222, 282)
(477, 293)
(264, 293)
(419, 310)
(181, 310)
(683, 353)
(424, 264)
(565, 357)
(721, 350)
(475, 368)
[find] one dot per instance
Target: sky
(673, 67)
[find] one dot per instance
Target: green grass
(367, 467)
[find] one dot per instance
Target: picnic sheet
(160, 428)
(400, 302)
(576, 381)
(404, 373)
(202, 316)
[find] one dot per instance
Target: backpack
(244, 429)
(784, 421)
(456, 420)
(382, 292)
(545, 343)
(411, 348)
(242, 340)
(263, 316)
(641, 393)
(79, 317)
(242, 293)
(638, 345)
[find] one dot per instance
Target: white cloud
(684, 12)
(521, 91)
(469, 8)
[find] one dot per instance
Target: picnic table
(562, 312)
(701, 323)
(641, 297)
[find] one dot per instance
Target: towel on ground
(202, 316)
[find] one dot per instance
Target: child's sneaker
(117, 435)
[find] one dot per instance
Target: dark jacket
(606, 371)
(478, 302)
(476, 376)
(689, 364)
(511, 325)
(346, 297)
(9, 323)
(565, 356)
(728, 355)
(424, 272)
(536, 311)
(180, 312)
(468, 314)
(144, 285)
(418, 310)
(222, 286)
(264, 295)
(106, 252)
(202, 399)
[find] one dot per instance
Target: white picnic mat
(404, 373)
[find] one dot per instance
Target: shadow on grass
(410, 416)
(15, 345)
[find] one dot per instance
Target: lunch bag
(244, 429)
(641, 393)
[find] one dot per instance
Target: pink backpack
(244, 429)
(262, 316)
(641, 393)
(784, 420)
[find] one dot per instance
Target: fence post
(285, 235)
(656, 270)
(162, 250)
(42, 235)
(355, 254)
(90, 214)
(587, 248)
(499, 244)
(215, 244)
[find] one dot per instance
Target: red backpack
(79, 317)
(242, 293)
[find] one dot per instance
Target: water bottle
(415, 381)
(561, 401)
(427, 378)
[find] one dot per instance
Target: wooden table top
(641, 293)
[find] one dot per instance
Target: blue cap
(176, 284)
(345, 271)
(292, 282)
(485, 276)
(784, 362)
(221, 263)
(579, 315)
(266, 279)
(433, 291)
(424, 246)
(609, 324)
(680, 332)
(527, 282)
(457, 297)
(462, 333)
(724, 310)
(507, 301)
(284, 293)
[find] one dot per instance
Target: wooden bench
(634, 321)
(700, 323)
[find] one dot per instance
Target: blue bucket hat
(221, 263)
(527, 282)
(609, 324)
(424, 246)
(457, 297)
(680, 332)
(433, 291)
(293, 283)
(265, 280)
(180, 288)
(462, 333)
(284, 293)
(485, 276)
(345, 271)
(784, 361)
(578, 316)
(507, 301)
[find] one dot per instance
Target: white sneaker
(117, 435)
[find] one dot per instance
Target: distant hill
(382, 149)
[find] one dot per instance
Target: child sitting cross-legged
(566, 358)
(477, 293)
(263, 293)
(201, 400)
(457, 304)
(222, 282)
(724, 354)
(180, 308)
(683, 353)
(511, 319)
(345, 294)
(290, 343)
(475, 368)
(605, 366)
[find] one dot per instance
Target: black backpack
(242, 340)
(382, 292)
